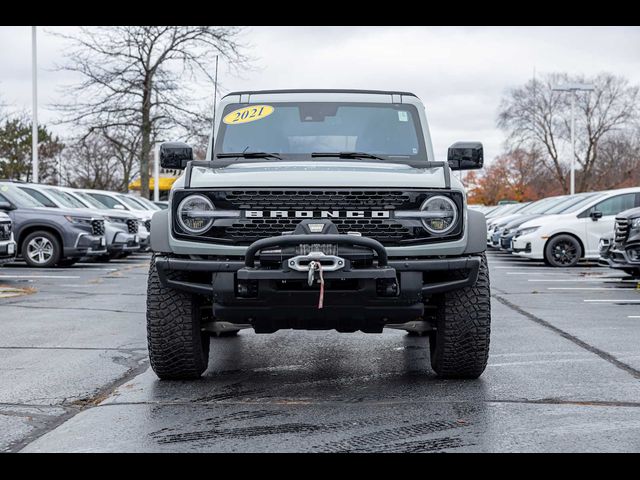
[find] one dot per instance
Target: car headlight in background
(116, 220)
(443, 215)
(79, 220)
(195, 214)
(635, 223)
(527, 231)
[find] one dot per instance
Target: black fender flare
(476, 232)
(160, 232)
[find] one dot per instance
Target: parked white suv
(562, 240)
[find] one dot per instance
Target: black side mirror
(175, 155)
(595, 215)
(465, 156)
(6, 206)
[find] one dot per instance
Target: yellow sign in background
(248, 114)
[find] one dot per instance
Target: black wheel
(178, 348)
(563, 251)
(106, 258)
(460, 344)
(41, 249)
(67, 262)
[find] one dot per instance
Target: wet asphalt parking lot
(563, 374)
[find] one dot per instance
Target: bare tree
(91, 162)
(538, 120)
(137, 77)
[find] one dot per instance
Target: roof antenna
(215, 101)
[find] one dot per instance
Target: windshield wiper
(249, 155)
(348, 155)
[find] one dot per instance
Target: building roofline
(370, 92)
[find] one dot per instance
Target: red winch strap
(321, 299)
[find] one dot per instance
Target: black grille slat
(621, 230)
(147, 225)
(97, 227)
(132, 225)
(248, 230)
(5, 231)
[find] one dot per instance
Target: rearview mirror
(6, 206)
(118, 207)
(175, 155)
(465, 156)
(595, 215)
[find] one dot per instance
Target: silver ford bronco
(318, 210)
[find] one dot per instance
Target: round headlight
(194, 214)
(445, 215)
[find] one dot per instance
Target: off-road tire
(460, 344)
(51, 239)
(178, 348)
(106, 258)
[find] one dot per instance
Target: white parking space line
(68, 277)
(611, 301)
(581, 280)
(583, 288)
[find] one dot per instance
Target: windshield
(108, 201)
(148, 203)
(580, 205)
(18, 197)
(88, 200)
(65, 199)
(570, 202)
(132, 203)
(295, 130)
(541, 206)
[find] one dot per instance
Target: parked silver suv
(48, 237)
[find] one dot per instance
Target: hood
(111, 213)
(516, 222)
(317, 174)
(632, 213)
(75, 212)
(502, 221)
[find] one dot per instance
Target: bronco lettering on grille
(317, 214)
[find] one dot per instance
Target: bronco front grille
(622, 230)
(97, 227)
(316, 199)
(246, 230)
(132, 225)
(5, 231)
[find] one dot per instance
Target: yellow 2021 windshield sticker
(248, 114)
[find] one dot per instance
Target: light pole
(573, 88)
(156, 173)
(34, 120)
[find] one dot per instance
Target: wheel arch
(24, 232)
(570, 234)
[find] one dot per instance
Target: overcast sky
(460, 73)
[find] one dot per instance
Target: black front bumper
(613, 256)
(7, 251)
(357, 297)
